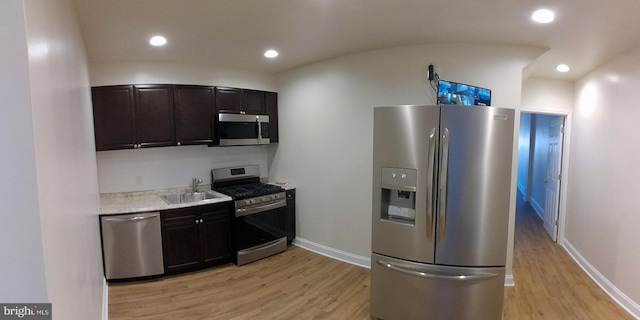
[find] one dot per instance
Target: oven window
(259, 228)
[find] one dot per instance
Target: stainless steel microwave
(242, 129)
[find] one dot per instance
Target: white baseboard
(354, 259)
(105, 300)
(343, 256)
(537, 208)
(508, 281)
(622, 299)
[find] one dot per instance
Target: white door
(552, 179)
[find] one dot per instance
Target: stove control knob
(252, 201)
(247, 202)
(274, 196)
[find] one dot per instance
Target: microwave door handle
(259, 127)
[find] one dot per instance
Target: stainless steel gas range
(259, 227)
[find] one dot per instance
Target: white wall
(103, 74)
(602, 210)
(23, 272)
(547, 96)
(326, 133)
(524, 140)
(173, 167)
(49, 238)
(540, 163)
(65, 160)
(556, 97)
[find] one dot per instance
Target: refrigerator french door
(441, 188)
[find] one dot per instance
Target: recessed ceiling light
(543, 16)
(271, 53)
(562, 68)
(158, 41)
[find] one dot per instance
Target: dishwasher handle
(130, 218)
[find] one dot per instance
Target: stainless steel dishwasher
(132, 245)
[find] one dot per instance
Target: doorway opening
(540, 151)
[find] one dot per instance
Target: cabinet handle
(197, 221)
(179, 143)
(201, 221)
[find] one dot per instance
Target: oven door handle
(240, 212)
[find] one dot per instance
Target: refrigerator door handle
(462, 277)
(442, 192)
(431, 202)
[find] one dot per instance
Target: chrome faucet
(194, 184)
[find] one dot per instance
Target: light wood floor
(549, 284)
(299, 284)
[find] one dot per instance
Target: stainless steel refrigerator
(441, 187)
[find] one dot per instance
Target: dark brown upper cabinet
(154, 114)
(236, 100)
(271, 103)
(113, 117)
(253, 101)
(194, 112)
(133, 116)
(142, 116)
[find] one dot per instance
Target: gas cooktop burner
(244, 191)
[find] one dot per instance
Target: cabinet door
(291, 215)
(271, 103)
(154, 115)
(228, 100)
(194, 114)
(113, 117)
(215, 234)
(253, 102)
(180, 240)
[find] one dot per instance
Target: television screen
(450, 92)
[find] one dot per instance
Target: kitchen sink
(177, 198)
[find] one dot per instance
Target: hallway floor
(548, 282)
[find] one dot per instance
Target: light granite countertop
(143, 201)
(285, 185)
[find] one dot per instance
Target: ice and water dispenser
(398, 195)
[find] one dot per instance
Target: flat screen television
(450, 92)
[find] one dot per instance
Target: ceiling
(235, 33)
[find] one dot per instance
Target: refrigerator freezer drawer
(407, 290)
